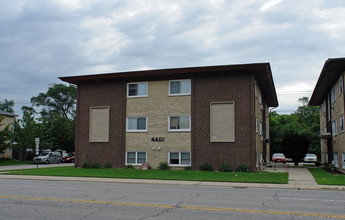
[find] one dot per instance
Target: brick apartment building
(329, 95)
(184, 116)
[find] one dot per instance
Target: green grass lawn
(324, 178)
(13, 162)
(254, 177)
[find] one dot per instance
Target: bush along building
(329, 95)
(183, 116)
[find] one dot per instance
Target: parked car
(48, 157)
(279, 158)
(310, 158)
(69, 158)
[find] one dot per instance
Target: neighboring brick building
(329, 95)
(8, 118)
(185, 116)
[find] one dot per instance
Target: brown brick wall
(221, 88)
(112, 94)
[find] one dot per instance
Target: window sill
(140, 96)
(179, 165)
(179, 130)
(181, 94)
(130, 131)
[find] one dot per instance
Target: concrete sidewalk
(299, 178)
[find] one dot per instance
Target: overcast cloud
(41, 40)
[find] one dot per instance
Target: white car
(310, 158)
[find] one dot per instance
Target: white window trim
(136, 157)
(127, 130)
(179, 158)
(333, 97)
(179, 94)
(137, 96)
(177, 130)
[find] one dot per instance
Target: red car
(279, 158)
(69, 158)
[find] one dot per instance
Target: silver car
(48, 157)
(310, 158)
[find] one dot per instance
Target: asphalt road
(34, 199)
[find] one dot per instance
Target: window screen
(99, 124)
(222, 122)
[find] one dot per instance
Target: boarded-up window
(99, 124)
(222, 122)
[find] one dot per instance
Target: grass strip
(322, 177)
(13, 162)
(253, 177)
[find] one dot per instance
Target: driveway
(299, 177)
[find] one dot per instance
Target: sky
(42, 40)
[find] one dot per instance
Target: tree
(58, 100)
(7, 106)
(25, 131)
(58, 115)
(304, 121)
(295, 146)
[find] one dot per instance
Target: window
(136, 124)
(99, 124)
(256, 125)
(137, 89)
(340, 85)
(324, 105)
(179, 123)
(179, 158)
(341, 123)
(334, 127)
(179, 87)
(343, 160)
(333, 98)
(335, 159)
(135, 158)
(222, 122)
(261, 131)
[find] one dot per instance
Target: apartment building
(183, 116)
(8, 118)
(329, 95)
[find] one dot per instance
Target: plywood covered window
(99, 124)
(222, 122)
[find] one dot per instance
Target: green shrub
(225, 167)
(206, 167)
(107, 166)
(163, 166)
(187, 168)
(96, 166)
(86, 165)
(243, 168)
(129, 167)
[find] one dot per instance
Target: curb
(174, 182)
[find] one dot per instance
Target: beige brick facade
(262, 122)
(157, 107)
(6, 121)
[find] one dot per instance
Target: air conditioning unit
(325, 135)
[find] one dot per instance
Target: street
(38, 199)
